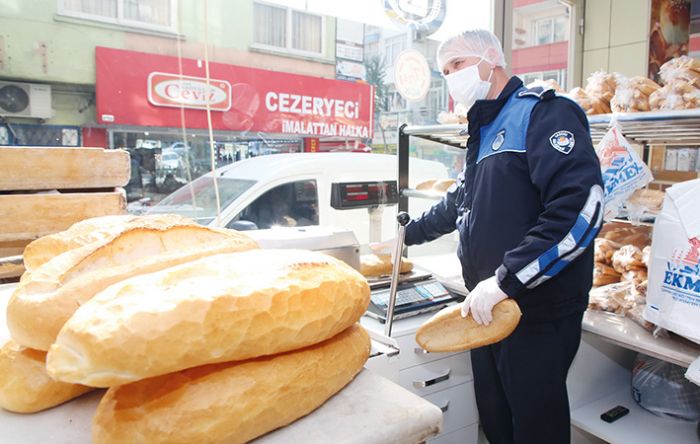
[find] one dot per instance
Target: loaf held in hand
(25, 387)
(44, 301)
(220, 308)
(231, 402)
(448, 331)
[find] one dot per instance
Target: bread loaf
(443, 185)
(42, 303)
(216, 309)
(374, 265)
(448, 331)
(88, 231)
(230, 402)
(426, 185)
(25, 387)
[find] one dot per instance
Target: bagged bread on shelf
(682, 68)
(601, 85)
(25, 387)
(627, 234)
(646, 254)
(645, 201)
(374, 265)
(44, 301)
(220, 308)
(231, 402)
(448, 331)
(457, 116)
(604, 274)
(628, 257)
(590, 104)
(632, 94)
(676, 95)
(604, 249)
(613, 298)
(636, 314)
(88, 231)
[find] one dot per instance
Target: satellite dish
(13, 99)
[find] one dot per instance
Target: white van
(298, 189)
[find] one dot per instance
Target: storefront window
(155, 13)
(286, 28)
(270, 25)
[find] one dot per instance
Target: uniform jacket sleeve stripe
(576, 240)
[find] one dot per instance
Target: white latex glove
(481, 300)
(385, 247)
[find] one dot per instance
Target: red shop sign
(140, 89)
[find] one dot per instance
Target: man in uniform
(527, 207)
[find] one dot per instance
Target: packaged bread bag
(622, 169)
(673, 293)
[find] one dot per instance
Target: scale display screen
(345, 196)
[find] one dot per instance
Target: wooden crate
(30, 216)
(48, 168)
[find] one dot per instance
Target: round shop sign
(412, 75)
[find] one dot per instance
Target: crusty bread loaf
(44, 301)
(443, 185)
(25, 387)
(426, 184)
(216, 309)
(448, 331)
(373, 265)
(230, 402)
(88, 231)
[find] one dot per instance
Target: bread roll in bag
(448, 331)
(230, 402)
(220, 308)
(44, 301)
(88, 231)
(25, 387)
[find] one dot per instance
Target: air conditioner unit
(25, 100)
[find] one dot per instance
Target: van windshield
(203, 207)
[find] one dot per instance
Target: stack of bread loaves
(200, 336)
(632, 94)
(620, 272)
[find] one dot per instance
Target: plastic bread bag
(680, 68)
(636, 314)
(604, 250)
(601, 85)
(546, 84)
(661, 388)
(676, 95)
(628, 257)
(591, 105)
(622, 169)
(611, 298)
(632, 94)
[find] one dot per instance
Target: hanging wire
(208, 105)
(183, 125)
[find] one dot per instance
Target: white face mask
(466, 86)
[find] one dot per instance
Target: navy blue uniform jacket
(528, 203)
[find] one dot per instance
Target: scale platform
(418, 292)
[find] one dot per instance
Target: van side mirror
(242, 225)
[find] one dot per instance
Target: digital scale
(417, 292)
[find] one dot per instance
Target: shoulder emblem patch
(562, 141)
(498, 140)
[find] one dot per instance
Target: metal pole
(403, 219)
(402, 153)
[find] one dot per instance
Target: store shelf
(653, 127)
(431, 195)
(453, 135)
(628, 334)
(638, 427)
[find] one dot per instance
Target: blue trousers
(520, 383)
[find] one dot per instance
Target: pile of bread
(613, 92)
(620, 270)
(199, 335)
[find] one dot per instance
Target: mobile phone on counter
(614, 414)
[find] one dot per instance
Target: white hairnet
(472, 43)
